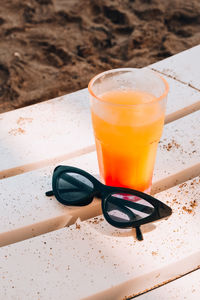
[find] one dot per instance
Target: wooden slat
(178, 157)
(32, 213)
(186, 287)
(184, 67)
(181, 100)
(50, 131)
(93, 260)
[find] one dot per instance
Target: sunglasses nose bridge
(98, 191)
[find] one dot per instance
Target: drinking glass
(128, 110)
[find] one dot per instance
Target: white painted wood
(186, 287)
(184, 66)
(182, 100)
(178, 156)
(93, 260)
(36, 134)
(27, 212)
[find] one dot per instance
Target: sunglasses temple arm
(139, 233)
(49, 193)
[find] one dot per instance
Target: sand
(52, 47)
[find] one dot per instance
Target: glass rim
(158, 99)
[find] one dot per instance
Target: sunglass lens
(73, 187)
(124, 208)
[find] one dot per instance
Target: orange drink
(127, 121)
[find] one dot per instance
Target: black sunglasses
(122, 207)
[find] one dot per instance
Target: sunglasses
(122, 207)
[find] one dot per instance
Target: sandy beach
(52, 47)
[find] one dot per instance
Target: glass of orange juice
(128, 109)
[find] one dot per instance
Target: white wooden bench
(92, 259)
